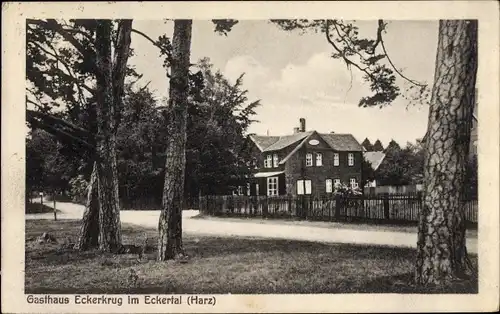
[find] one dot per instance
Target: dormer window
(309, 160)
(319, 159)
(268, 161)
(275, 160)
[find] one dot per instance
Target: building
(304, 163)
(375, 159)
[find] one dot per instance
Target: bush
(78, 189)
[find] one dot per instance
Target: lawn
(218, 266)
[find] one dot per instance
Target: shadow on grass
(37, 208)
(220, 265)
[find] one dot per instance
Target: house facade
(304, 163)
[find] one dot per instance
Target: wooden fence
(386, 208)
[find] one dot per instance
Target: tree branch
(342, 54)
(52, 24)
(147, 37)
(395, 69)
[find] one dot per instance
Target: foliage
(78, 188)
(401, 166)
(48, 167)
(471, 178)
(216, 153)
(392, 146)
(367, 145)
(367, 172)
(377, 146)
(345, 190)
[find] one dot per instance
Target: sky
(294, 76)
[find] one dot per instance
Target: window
(307, 184)
(268, 161)
(309, 159)
(272, 186)
(336, 182)
(329, 187)
(248, 189)
(257, 189)
(350, 159)
(275, 160)
(336, 159)
(303, 187)
(353, 183)
(319, 159)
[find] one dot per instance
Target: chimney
(295, 130)
(302, 125)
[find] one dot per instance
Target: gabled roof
(262, 142)
(287, 140)
(375, 158)
(338, 142)
(342, 142)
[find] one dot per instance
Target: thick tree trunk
(109, 212)
(170, 223)
(441, 250)
(89, 230)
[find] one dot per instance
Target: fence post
(265, 207)
(338, 204)
(386, 207)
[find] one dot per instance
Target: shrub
(78, 189)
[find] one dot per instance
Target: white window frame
(336, 159)
(350, 159)
(353, 183)
(336, 182)
(309, 160)
(268, 161)
(329, 186)
(275, 160)
(319, 159)
(272, 186)
(304, 187)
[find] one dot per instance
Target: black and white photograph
(184, 161)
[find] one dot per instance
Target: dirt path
(219, 227)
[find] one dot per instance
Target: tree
(170, 223)
(441, 250)
(442, 253)
(178, 59)
(400, 167)
(367, 172)
(378, 147)
(392, 146)
(107, 175)
(217, 122)
(367, 145)
(64, 75)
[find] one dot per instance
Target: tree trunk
(122, 51)
(170, 222)
(89, 230)
(109, 212)
(441, 250)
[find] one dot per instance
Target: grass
(219, 266)
(37, 208)
(353, 225)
